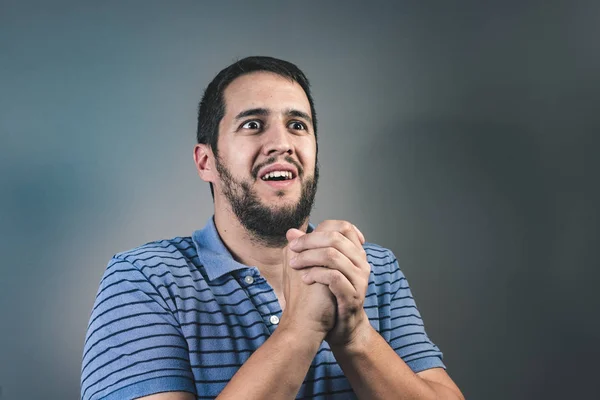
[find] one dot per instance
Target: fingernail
(293, 243)
(293, 261)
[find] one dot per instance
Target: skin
(310, 296)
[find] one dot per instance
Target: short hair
(212, 106)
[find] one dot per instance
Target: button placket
(264, 300)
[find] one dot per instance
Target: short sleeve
(407, 330)
(134, 345)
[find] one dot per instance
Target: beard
(265, 224)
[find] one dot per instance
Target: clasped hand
(332, 255)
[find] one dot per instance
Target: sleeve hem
(425, 363)
(153, 386)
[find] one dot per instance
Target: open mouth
(278, 176)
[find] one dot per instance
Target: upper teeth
(276, 174)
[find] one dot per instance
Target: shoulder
(385, 270)
(157, 256)
(136, 313)
(150, 267)
(167, 249)
(382, 260)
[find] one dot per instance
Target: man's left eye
(299, 126)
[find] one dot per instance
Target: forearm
(276, 370)
(375, 371)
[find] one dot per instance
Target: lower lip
(280, 184)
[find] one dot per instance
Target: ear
(205, 162)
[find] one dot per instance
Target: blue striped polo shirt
(183, 315)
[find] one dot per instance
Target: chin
(282, 200)
(282, 195)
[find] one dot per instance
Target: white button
(274, 319)
(249, 279)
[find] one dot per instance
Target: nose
(277, 141)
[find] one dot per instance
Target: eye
(252, 125)
(297, 125)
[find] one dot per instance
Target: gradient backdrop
(462, 135)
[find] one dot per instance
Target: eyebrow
(265, 113)
(253, 111)
(299, 114)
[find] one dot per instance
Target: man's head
(257, 145)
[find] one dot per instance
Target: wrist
(301, 334)
(358, 343)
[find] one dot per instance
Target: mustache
(272, 160)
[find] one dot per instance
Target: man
(259, 303)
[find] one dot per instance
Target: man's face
(267, 155)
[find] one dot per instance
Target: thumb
(293, 233)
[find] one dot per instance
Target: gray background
(462, 135)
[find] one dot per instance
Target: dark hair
(212, 105)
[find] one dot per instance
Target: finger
(344, 227)
(340, 287)
(293, 233)
(329, 258)
(360, 234)
(334, 239)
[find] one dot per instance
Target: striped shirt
(183, 315)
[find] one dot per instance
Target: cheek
(241, 159)
(308, 154)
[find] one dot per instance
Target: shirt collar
(214, 255)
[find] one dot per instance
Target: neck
(246, 249)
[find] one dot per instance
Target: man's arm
(278, 367)
(375, 371)
(373, 368)
(275, 370)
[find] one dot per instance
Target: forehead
(264, 90)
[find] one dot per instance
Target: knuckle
(366, 267)
(335, 237)
(362, 252)
(331, 254)
(335, 277)
(346, 227)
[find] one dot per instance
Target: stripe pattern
(182, 315)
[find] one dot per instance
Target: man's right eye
(253, 125)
